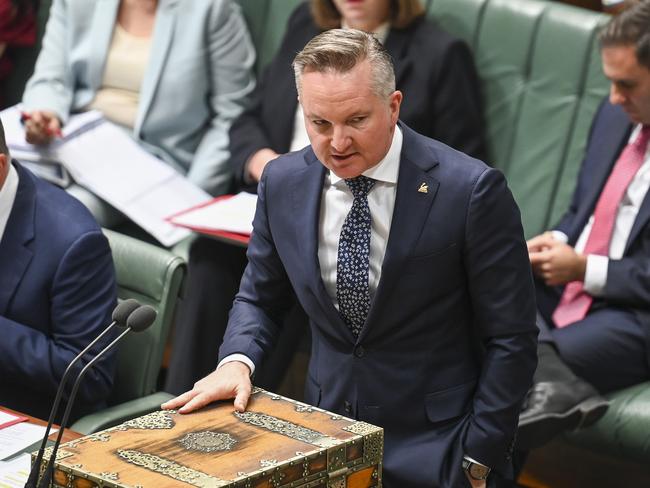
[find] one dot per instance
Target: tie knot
(360, 185)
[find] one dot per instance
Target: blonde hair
(403, 13)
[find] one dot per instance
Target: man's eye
(357, 120)
(319, 123)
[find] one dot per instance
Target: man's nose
(340, 139)
(615, 95)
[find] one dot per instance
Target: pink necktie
(575, 302)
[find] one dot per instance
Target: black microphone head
(141, 318)
(123, 310)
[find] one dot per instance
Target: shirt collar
(388, 168)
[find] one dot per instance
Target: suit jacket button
(347, 406)
(359, 351)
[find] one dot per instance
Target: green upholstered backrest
(153, 276)
(623, 432)
(267, 20)
(541, 79)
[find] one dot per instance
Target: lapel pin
(424, 188)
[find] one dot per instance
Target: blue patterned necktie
(352, 269)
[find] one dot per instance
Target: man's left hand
(559, 264)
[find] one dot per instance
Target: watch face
(478, 472)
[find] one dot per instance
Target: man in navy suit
(57, 292)
(593, 269)
(408, 258)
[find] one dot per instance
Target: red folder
(14, 421)
(232, 237)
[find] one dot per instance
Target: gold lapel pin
(424, 188)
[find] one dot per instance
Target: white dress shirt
(596, 271)
(336, 202)
(7, 197)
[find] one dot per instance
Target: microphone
(140, 319)
(120, 316)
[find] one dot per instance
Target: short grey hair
(340, 50)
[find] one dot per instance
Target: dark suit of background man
(418, 287)
(57, 291)
(594, 270)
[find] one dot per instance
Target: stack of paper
(104, 159)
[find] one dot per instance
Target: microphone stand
(121, 313)
(49, 469)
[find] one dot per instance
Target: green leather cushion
(624, 431)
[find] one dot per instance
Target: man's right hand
(231, 380)
(41, 126)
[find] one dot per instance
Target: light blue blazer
(198, 78)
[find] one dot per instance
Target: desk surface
(68, 435)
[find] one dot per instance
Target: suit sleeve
(231, 58)
(265, 294)
(503, 303)
(51, 86)
(82, 297)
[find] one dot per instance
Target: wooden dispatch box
(277, 442)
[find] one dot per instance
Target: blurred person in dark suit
(57, 292)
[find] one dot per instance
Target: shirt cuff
(472, 460)
(558, 235)
(596, 275)
(238, 357)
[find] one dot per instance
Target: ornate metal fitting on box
(289, 429)
(156, 420)
(171, 469)
(335, 458)
(208, 441)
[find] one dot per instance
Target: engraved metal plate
(171, 469)
(360, 428)
(287, 428)
(208, 441)
(156, 420)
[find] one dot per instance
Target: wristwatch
(475, 470)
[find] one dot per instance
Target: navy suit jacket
(57, 292)
(628, 278)
(448, 350)
(433, 69)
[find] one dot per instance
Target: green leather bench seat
(540, 71)
(624, 432)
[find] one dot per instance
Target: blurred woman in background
(174, 73)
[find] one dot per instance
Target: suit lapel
(103, 24)
(307, 190)
(163, 34)
(412, 208)
(15, 254)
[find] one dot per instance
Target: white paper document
(19, 436)
(14, 473)
(229, 214)
(103, 158)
